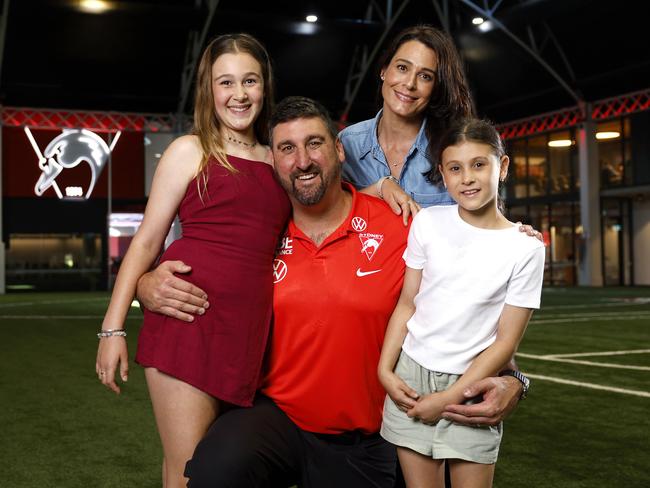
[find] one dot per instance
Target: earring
(382, 77)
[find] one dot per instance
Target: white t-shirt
(468, 274)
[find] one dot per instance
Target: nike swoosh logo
(366, 273)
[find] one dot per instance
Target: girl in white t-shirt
(471, 282)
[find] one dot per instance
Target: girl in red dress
(220, 180)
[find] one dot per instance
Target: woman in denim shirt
(423, 89)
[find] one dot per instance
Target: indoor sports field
(586, 422)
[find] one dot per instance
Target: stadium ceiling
(528, 57)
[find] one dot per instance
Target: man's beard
(311, 196)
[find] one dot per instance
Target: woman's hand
(111, 351)
(397, 199)
(403, 396)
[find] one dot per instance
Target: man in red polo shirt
(338, 275)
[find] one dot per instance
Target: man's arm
(163, 292)
(500, 397)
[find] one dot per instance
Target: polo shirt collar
(357, 210)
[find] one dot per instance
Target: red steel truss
(95, 121)
(114, 121)
(570, 117)
(541, 123)
(622, 105)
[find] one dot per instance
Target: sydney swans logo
(68, 150)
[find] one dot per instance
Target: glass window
(560, 159)
(626, 128)
(610, 153)
(537, 172)
(518, 214)
(612, 227)
(628, 167)
(516, 182)
(562, 242)
(539, 219)
(54, 261)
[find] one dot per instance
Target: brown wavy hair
(206, 124)
(451, 99)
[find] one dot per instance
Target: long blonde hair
(206, 124)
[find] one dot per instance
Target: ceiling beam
(560, 51)
(3, 31)
(195, 44)
(488, 15)
(443, 14)
(391, 18)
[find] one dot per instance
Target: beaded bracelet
(380, 184)
(111, 333)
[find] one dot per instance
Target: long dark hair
(451, 99)
(470, 130)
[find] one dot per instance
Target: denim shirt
(365, 163)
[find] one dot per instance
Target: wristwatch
(521, 377)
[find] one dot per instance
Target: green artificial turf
(62, 428)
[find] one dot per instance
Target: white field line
(586, 363)
(545, 316)
(599, 353)
(580, 318)
(595, 304)
(593, 386)
(52, 302)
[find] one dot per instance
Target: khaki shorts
(444, 440)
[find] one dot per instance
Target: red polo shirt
(332, 304)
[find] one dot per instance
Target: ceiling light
(611, 134)
(311, 18)
(486, 26)
(94, 6)
(560, 143)
(477, 20)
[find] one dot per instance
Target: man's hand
(162, 292)
(398, 200)
(530, 231)
(404, 397)
(500, 396)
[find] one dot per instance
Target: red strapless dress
(229, 240)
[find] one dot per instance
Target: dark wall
(51, 215)
(640, 127)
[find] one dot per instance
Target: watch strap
(523, 379)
